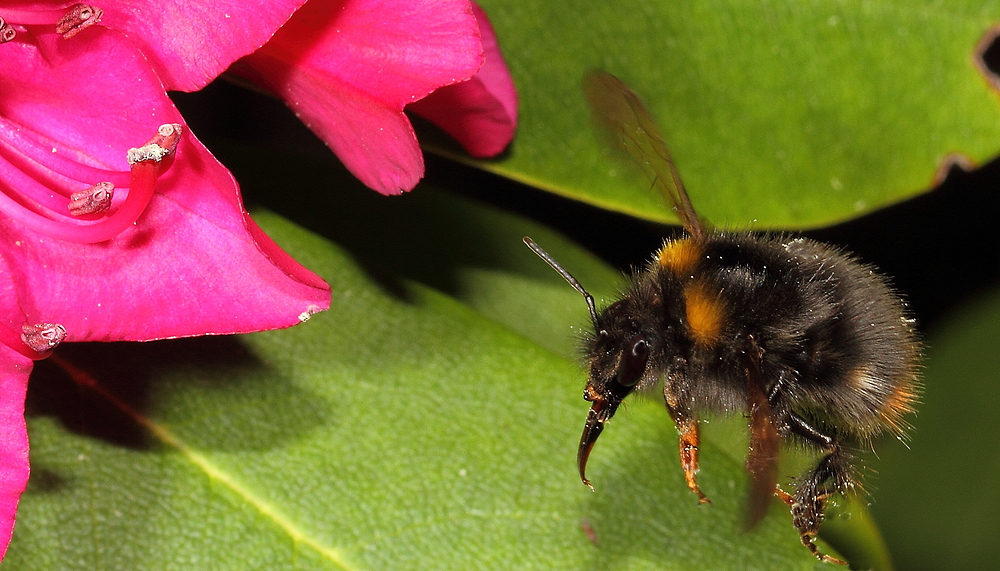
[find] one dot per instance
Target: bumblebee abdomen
(861, 363)
(838, 344)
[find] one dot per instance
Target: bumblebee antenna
(566, 276)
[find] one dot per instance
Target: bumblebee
(812, 345)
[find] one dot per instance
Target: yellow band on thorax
(679, 256)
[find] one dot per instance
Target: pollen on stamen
(92, 200)
(79, 18)
(162, 145)
(42, 337)
(7, 32)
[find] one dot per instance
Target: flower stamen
(7, 32)
(159, 147)
(92, 200)
(42, 337)
(68, 22)
(146, 163)
(15, 340)
(79, 18)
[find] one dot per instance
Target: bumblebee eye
(633, 363)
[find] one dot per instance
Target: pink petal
(480, 113)
(14, 370)
(93, 95)
(194, 264)
(189, 43)
(348, 68)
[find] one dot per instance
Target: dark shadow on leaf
(423, 236)
(80, 409)
(177, 383)
(44, 481)
(388, 283)
(939, 248)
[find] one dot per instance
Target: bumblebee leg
(832, 475)
(689, 454)
(687, 425)
(677, 399)
(784, 496)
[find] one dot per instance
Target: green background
(430, 419)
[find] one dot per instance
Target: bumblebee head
(618, 357)
(618, 350)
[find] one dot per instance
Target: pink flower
(188, 43)
(14, 370)
(115, 222)
(348, 68)
(480, 113)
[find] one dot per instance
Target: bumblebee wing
(762, 458)
(625, 121)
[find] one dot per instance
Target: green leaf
(779, 114)
(938, 496)
(401, 429)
